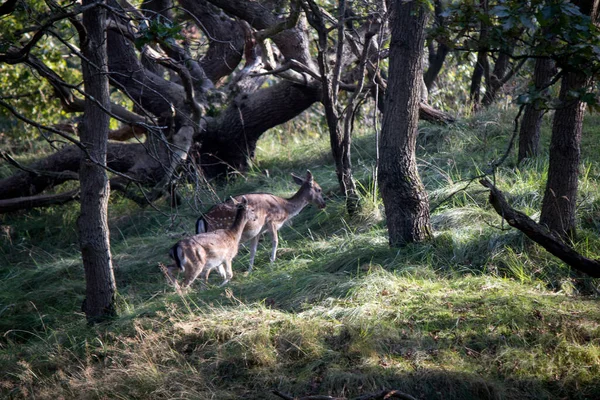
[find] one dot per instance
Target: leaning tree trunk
(481, 65)
(496, 78)
(437, 55)
(404, 197)
(529, 135)
(558, 205)
(93, 225)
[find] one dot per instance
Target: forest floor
(477, 312)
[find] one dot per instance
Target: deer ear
(297, 179)
(309, 177)
(244, 201)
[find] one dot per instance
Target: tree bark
(230, 139)
(560, 197)
(101, 289)
(404, 197)
(529, 135)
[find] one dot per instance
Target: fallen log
(24, 203)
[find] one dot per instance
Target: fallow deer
(201, 253)
(271, 212)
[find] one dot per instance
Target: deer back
(267, 207)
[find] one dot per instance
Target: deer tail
(201, 225)
(176, 253)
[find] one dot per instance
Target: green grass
(477, 312)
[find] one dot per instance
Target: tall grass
(477, 312)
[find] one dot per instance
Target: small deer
(271, 212)
(200, 254)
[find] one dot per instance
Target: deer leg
(228, 272)
(253, 246)
(170, 275)
(191, 278)
(274, 240)
(192, 271)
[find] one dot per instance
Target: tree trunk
(229, 141)
(404, 197)
(339, 137)
(99, 302)
(560, 197)
(437, 55)
(529, 135)
(497, 79)
(482, 66)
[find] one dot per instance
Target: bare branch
(289, 23)
(14, 56)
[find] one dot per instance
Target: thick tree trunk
(560, 197)
(529, 135)
(99, 302)
(229, 141)
(404, 197)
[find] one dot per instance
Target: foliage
(556, 29)
(476, 313)
(21, 85)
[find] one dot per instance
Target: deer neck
(296, 203)
(238, 224)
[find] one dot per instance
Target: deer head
(310, 190)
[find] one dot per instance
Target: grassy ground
(478, 312)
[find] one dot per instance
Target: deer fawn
(271, 212)
(200, 254)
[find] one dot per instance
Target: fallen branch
(540, 234)
(383, 395)
(430, 114)
(20, 203)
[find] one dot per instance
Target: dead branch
(430, 114)
(315, 397)
(23, 203)
(382, 395)
(539, 234)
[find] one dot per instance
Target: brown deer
(200, 254)
(271, 212)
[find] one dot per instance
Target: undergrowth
(477, 312)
